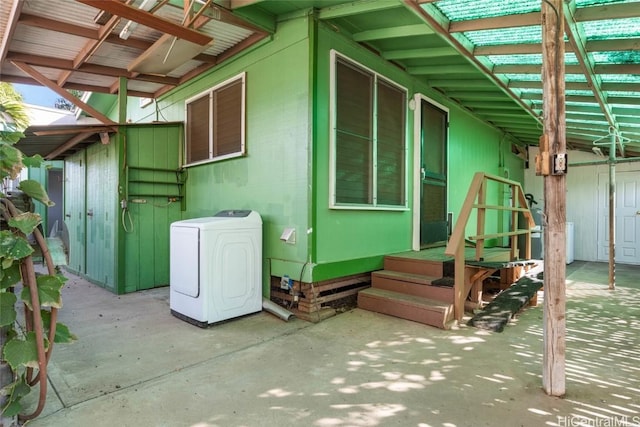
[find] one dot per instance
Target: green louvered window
(369, 140)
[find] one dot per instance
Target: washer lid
(242, 213)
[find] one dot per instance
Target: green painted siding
(347, 235)
(273, 178)
(102, 214)
(151, 151)
(285, 173)
(75, 210)
(41, 174)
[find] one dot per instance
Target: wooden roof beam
(355, 8)
(92, 129)
(76, 86)
(89, 48)
(149, 20)
(66, 64)
(494, 23)
(235, 4)
(68, 145)
(10, 28)
(435, 52)
(63, 93)
(57, 26)
(393, 32)
(607, 11)
(536, 48)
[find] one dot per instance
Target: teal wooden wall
(101, 214)
(93, 193)
(152, 151)
(40, 174)
(75, 209)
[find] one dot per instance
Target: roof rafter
(57, 26)
(63, 93)
(392, 32)
(607, 11)
(89, 48)
(576, 38)
(432, 16)
(493, 23)
(16, 8)
(419, 53)
(66, 64)
(354, 8)
(149, 20)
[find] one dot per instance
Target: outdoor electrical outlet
(285, 282)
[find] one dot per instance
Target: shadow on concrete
(136, 365)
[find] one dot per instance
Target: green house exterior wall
(351, 241)
(285, 173)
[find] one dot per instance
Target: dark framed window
(215, 123)
(369, 152)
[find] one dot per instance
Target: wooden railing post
(456, 247)
(482, 200)
(459, 279)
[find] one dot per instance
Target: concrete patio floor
(134, 364)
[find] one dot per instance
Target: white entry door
(627, 241)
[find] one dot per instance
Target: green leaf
(25, 222)
(34, 189)
(11, 137)
(63, 335)
(10, 161)
(13, 247)
(12, 409)
(10, 276)
(7, 262)
(15, 391)
(49, 292)
(33, 161)
(7, 308)
(19, 352)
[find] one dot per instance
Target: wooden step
(413, 265)
(411, 284)
(409, 307)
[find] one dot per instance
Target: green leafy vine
(24, 352)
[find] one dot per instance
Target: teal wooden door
(434, 122)
(153, 156)
(100, 214)
(74, 210)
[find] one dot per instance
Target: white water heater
(216, 267)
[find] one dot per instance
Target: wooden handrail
(494, 235)
(476, 199)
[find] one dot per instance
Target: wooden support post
(554, 329)
(459, 282)
(612, 213)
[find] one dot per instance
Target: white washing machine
(216, 267)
